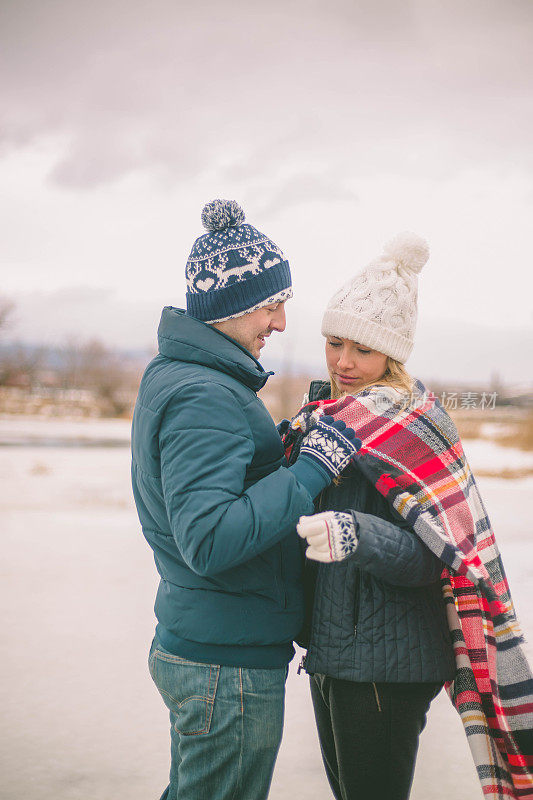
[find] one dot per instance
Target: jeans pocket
(188, 689)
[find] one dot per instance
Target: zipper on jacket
(320, 506)
(377, 696)
(359, 581)
(282, 591)
(303, 662)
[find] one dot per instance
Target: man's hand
(331, 444)
(331, 535)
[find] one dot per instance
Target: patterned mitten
(306, 419)
(331, 535)
(331, 444)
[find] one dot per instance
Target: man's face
(252, 330)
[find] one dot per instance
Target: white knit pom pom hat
(378, 307)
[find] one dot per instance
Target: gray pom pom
(220, 214)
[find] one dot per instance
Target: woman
(380, 629)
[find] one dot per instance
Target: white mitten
(331, 535)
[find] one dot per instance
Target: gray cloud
(174, 88)
(79, 313)
(301, 188)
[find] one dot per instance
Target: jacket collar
(319, 390)
(184, 338)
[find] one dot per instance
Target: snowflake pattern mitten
(331, 535)
(331, 444)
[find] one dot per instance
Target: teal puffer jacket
(216, 501)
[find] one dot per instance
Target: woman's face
(352, 365)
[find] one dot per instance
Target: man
(218, 505)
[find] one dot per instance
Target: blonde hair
(395, 375)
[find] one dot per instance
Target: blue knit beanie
(233, 269)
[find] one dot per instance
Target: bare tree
(19, 364)
(102, 371)
(6, 310)
(111, 379)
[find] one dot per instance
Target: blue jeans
(225, 726)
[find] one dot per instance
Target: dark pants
(369, 735)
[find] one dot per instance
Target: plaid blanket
(412, 454)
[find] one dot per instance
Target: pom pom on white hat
(407, 250)
(378, 307)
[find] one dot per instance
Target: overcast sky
(334, 125)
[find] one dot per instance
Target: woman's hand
(306, 419)
(331, 535)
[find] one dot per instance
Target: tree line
(88, 366)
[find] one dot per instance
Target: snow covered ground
(50, 432)
(81, 719)
(483, 454)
